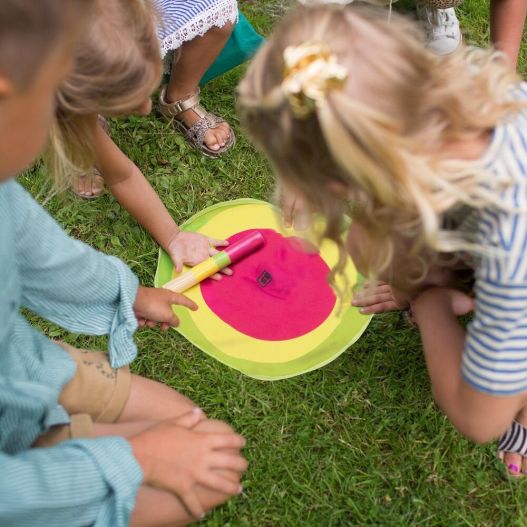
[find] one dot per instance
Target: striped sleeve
(77, 483)
(71, 284)
(495, 355)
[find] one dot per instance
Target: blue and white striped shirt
(495, 355)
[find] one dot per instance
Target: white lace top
(183, 20)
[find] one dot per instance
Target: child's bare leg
(507, 18)
(153, 401)
(194, 60)
(159, 508)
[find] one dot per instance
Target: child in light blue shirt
(82, 441)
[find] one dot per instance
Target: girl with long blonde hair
(117, 66)
(427, 155)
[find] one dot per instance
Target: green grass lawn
(359, 442)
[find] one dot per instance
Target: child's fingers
(288, 207)
(177, 258)
(227, 441)
(182, 300)
(213, 251)
(217, 243)
(218, 276)
(302, 222)
(224, 460)
(221, 484)
(288, 217)
(368, 291)
(373, 299)
(191, 501)
(226, 270)
(382, 307)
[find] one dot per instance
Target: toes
(221, 136)
(225, 132)
(80, 186)
(212, 143)
(217, 138)
(213, 140)
(513, 463)
(88, 186)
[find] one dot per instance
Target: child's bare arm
(479, 416)
(133, 191)
(507, 18)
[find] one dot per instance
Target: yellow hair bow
(311, 71)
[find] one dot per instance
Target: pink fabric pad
(280, 292)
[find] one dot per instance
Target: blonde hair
(380, 136)
(117, 67)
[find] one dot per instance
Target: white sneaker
(442, 28)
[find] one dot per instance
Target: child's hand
(294, 208)
(153, 306)
(191, 248)
(379, 297)
(176, 458)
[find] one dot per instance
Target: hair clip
(311, 72)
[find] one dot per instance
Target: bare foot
(379, 297)
(89, 186)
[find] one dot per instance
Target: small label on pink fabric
(264, 279)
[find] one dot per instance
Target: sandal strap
(173, 109)
(196, 133)
(514, 440)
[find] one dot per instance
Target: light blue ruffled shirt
(81, 482)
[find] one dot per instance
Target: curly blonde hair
(380, 137)
(117, 67)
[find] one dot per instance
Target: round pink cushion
(280, 292)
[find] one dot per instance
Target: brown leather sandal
(194, 134)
